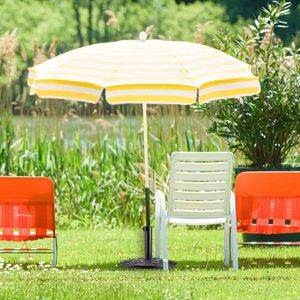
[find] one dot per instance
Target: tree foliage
(247, 9)
(80, 22)
(68, 24)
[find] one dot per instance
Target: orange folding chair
(268, 203)
(27, 213)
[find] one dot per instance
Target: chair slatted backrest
(26, 208)
(200, 184)
(268, 202)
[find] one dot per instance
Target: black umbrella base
(142, 263)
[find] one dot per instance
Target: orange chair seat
(268, 202)
(26, 208)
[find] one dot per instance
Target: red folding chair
(268, 203)
(27, 213)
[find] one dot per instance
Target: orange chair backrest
(26, 208)
(268, 202)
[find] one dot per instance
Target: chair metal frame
(199, 194)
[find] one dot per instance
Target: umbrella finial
(143, 36)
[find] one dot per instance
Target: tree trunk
(90, 30)
(76, 7)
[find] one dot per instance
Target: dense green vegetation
(44, 29)
(97, 164)
(34, 30)
(77, 22)
(249, 8)
(264, 127)
(88, 269)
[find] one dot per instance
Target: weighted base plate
(142, 263)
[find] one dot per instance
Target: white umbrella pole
(147, 228)
(147, 261)
(146, 146)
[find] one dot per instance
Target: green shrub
(264, 128)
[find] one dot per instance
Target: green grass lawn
(88, 269)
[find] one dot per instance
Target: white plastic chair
(199, 194)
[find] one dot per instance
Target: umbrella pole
(146, 262)
(147, 229)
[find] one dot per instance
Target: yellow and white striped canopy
(153, 71)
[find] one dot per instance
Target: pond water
(118, 128)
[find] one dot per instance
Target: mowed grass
(88, 269)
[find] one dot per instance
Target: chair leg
(54, 262)
(164, 243)
(157, 240)
(234, 247)
(157, 226)
(226, 244)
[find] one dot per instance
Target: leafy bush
(265, 127)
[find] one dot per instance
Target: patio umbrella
(147, 72)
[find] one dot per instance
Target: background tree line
(31, 31)
(250, 8)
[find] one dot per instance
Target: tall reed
(8, 48)
(97, 164)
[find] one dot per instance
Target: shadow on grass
(244, 263)
(185, 265)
